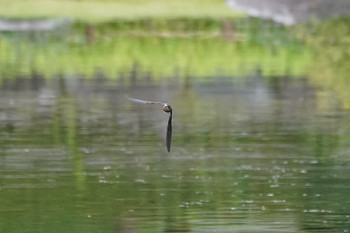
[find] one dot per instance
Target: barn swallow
(166, 108)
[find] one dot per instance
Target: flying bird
(166, 108)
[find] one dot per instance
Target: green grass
(155, 56)
(103, 11)
(330, 66)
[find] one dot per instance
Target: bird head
(167, 108)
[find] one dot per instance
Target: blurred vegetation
(330, 45)
(155, 56)
(182, 38)
(156, 48)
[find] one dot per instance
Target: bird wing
(169, 132)
(143, 101)
(169, 128)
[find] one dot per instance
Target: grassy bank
(103, 11)
(155, 57)
(330, 66)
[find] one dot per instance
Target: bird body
(166, 108)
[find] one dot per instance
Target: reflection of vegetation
(259, 157)
(197, 57)
(235, 160)
(64, 132)
(330, 67)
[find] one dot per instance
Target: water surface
(250, 154)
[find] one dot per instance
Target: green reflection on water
(74, 161)
(330, 65)
(251, 153)
(115, 53)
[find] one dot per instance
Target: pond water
(261, 130)
(249, 154)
